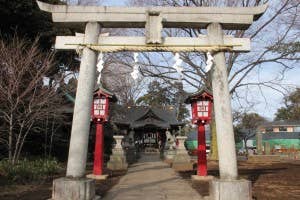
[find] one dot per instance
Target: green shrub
(28, 171)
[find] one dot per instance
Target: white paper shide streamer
(209, 62)
(135, 73)
(177, 65)
(100, 66)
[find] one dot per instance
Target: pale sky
(113, 3)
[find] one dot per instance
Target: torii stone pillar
(75, 186)
(83, 103)
(223, 114)
(228, 187)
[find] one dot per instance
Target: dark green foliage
(157, 96)
(247, 126)
(251, 121)
(25, 18)
(162, 96)
(29, 171)
(291, 110)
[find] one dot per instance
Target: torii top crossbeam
(172, 17)
(154, 19)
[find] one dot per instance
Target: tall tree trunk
(17, 145)
(46, 137)
(10, 138)
(51, 139)
(213, 142)
(23, 141)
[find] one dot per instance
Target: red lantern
(100, 114)
(201, 106)
(100, 107)
(201, 114)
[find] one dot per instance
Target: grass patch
(29, 171)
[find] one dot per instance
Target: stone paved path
(151, 179)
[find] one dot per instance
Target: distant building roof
(281, 135)
(141, 116)
(281, 123)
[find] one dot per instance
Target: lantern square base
(117, 162)
(182, 166)
(74, 189)
(202, 178)
(230, 189)
(97, 177)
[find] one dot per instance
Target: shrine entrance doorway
(150, 140)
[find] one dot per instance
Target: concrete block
(183, 166)
(74, 189)
(117, 162)
(230, 189)
(181, 160)
(202, 178)
(97, 177)
(169, 154)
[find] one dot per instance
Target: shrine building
(147, 124)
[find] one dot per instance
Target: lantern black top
(100, 89)
(200, 93)
(101, 103)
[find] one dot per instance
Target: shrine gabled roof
(140, 116)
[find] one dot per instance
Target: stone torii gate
(153, 19)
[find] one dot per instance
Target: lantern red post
(202, 161)
(98, 154)
(100, 116)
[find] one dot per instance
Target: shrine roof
(140, 116)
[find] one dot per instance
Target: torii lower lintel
(138, 44)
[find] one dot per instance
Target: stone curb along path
(152, 179)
